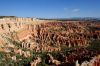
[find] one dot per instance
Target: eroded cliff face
(51, 36)
(26, 36)
(15, 29)
(45, 35)
(65, 33)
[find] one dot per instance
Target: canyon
(25, 35)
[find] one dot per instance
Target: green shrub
(94, 45)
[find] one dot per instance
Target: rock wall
(65, 33)
(50, 33)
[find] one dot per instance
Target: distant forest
(7, 16)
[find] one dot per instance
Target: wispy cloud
(65, 8)
(71, 12)
(75, 10)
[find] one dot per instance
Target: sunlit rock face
(14, 28)
(14, 24)
(47, 35)
(65, 33)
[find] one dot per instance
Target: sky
(50, 8)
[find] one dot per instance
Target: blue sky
(50, 8)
